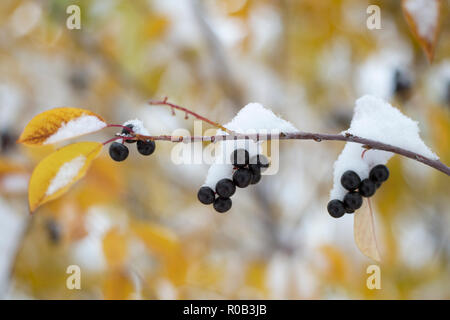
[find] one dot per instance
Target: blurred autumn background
(136, 228)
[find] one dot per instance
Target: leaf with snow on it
(59, 124)
(423, 19)
(364, 233)
(56, 173)
(251, 119)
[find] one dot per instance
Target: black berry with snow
(128, 132)
(147, 147)
(206, 195)
(367, 188)
(222, 204)
(242, 177)
(225, 188)
(256, 174)
(118, 151)
(353, 200)
(336, 208)
(379, 173)
(350, 180)
(240, 158)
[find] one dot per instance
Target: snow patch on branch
(251, 119)
(138, 127)
(377, 120)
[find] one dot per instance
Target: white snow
(138, 127)
(253, 118)
(377, 120)
(76, 127)
(425, 14)
(66, 174)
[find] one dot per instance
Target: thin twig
(187, 111)
(376, 145)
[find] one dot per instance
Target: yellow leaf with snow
(59, 124)
(423, 18)
(56, 173)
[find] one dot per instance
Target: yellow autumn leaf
(54, 175)
(364, 232)
(118, 285)
(423, 20)
(158, 239)
(115, 247)
(59, 124)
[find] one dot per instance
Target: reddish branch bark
(366, 143)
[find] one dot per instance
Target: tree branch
(367, 143)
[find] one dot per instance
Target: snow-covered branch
(367, 143)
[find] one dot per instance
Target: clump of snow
(425, 14)
(76, 127)
(66, 174)
(251, 119)
(377, 120)
(138, 127)
(255, 117)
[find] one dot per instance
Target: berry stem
(117, 138)
(187, 111)
(120, 126)
(436, 164)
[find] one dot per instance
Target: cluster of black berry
(247, 171)
(357, 189)
(119, 151)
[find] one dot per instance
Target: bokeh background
(136, 228)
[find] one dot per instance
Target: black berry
(242, 177)
(353, 201)
(206, 195)
(259, 161)
(126, 131)
(348, 210)
(146, 148)
(225, 188)
(240, 158)
(367, 188)
(379, 173)
(256, 174)
(222, 204)
(118, 151)
(350, 180)
(336, 208)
